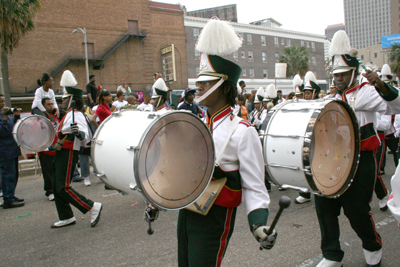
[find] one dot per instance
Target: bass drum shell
(312, 145)
(167, 159)
(34, 133)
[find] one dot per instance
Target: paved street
(120, 238)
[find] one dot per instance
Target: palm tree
(297, 58)
(394, 58)
(16, 20)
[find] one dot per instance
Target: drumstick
(284, 202)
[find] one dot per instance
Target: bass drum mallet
(284, 203)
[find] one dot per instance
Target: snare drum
(166, 158)
(312, 146)
(34, 133)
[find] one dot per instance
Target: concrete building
(263, 42)
(129, 39)
(374, 56)
(331, 29)
(227, 12)
(367, 20)
(395, 16)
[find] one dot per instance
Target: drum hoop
(137, 153)
(18, 139)
(356, 157)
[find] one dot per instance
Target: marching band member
(258, 115)
(270, 96)
(366, 100)
(160, 95)
(73, 134)
(203, 240)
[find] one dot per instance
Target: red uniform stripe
(376, 233)
(224, 238)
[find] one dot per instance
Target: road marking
(112, 194)
(316, 259)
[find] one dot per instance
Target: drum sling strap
(204, 203)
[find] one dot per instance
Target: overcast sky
(311, 16)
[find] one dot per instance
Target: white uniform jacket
(83, 126)
(242, 163)
(367, 102)
(257, 117)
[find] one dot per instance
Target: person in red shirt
(103, 110)
(46, 157)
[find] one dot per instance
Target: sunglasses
(204, 84)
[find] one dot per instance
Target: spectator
(242, 85)
(124, 87)
(46, 157)
(9, 153)
(146, 102)
(188, 104)
(243, 110)
(131, 103)
(45, 83)
(120, 100)
(91, 90)
(103, 110)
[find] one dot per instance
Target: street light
(86, 54)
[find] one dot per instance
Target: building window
(196, 54)
(302, 43)
(197, 71)
(313, 46)
(362, 57)
(263, 42)
(288, 42)
(244, 72)
(195, 33)
(265, 73)
(313, 61)
(235, 56)
(264, 57)
(249, 39)
(282, 41)
(308, 44)
(276, 41)
(250, 54)
(243, 54)
(251, 73)
(375, 55)
(277, 57)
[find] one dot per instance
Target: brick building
(125, 39)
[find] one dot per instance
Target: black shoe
(19, 199)
(107, 187)
(13, 204)
(382, 172)
(76, 180)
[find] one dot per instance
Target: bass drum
(312, 146)
(167, 159)
(34, 133)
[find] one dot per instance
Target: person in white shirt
(146, 102)
(124, 87)
(45, 83)
(120, 101)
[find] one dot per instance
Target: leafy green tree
(297, 58)
(16, 20)
(394, 58)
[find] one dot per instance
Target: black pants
(380, 188)
(46, 162)
(392, 144)
(355, 203)
(63, 168)
(202, 240)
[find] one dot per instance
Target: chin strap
(209, 92)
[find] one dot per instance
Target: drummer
(203, 240)
(366, 99)
(160, 95)
(311, 91)
(74, 133)
(258, 115)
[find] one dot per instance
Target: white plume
(297, 81)
(386, 70)
(340, 44)
(261, 92)
(310, 77)
(218, 38)
(271, 91)
(68, 79)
